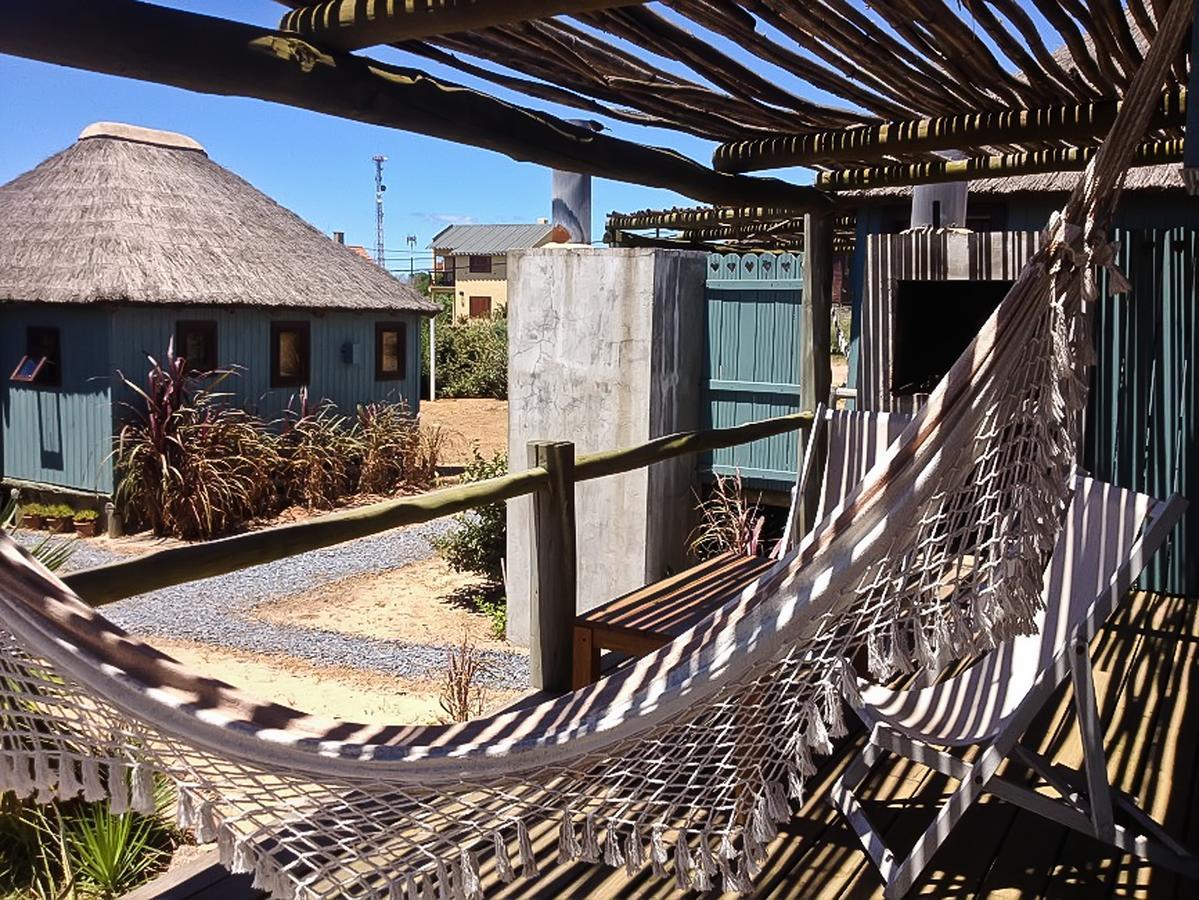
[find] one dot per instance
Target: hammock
(688, 760)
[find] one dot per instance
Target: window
(391, 350)
(196, 343)
(289, 354)
(480, 264)
(41, 362)
(480, 307)
(932, 323)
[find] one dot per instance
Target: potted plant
(60, 517)
(33, 516)
(86, 522)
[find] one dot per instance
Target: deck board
(1147, 669)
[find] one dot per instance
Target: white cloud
(446, 218)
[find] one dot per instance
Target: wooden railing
(551, 476)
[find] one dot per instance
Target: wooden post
(816, 371)
(1190, 152)
(553, 569)
(432, 357)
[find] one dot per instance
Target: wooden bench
(641, 621)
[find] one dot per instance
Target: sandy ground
(466, 422)
(335, 693)
(421, 603)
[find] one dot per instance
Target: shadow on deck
(1145, 667)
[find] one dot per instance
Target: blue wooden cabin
(132, 238)
(1142, 428)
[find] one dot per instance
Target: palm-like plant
(189, 464)
(51, 552)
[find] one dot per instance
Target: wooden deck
(1145, 666)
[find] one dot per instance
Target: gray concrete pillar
(604, 350)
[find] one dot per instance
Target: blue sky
(317, 165)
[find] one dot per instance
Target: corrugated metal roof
(480, 239)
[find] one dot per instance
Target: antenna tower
(380, 187)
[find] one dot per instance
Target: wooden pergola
(897, 81)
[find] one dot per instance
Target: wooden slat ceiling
(753, 76)
(1015, 84)
(667, 63)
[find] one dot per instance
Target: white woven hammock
(685, 762)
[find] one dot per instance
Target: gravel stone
(218, 611)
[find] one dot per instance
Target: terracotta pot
(32, 521)
(85, 527)
(60, 524)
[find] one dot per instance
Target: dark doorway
(932, 322)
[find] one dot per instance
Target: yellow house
(471, 263)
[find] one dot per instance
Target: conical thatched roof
(130, 215)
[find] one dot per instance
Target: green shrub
(472, 358)
(86, 515)
(49, 551)
(76, 849)
(495, 607)
(58, 511)
(476, 541)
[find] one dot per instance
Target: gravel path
(217, 611)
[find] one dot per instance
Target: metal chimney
(941, 205)
(571, 192)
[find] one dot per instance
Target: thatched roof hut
(132, 215)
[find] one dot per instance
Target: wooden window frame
(470, 312)
(209, 328)
(304, 328)
(484, 268)
(41, 375)
(401, 373)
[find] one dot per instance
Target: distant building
(472, 263)
(132, 237)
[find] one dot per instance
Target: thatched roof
(1167, 177)
(130, 215)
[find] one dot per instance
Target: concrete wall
(605, 351)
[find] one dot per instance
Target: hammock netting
(688, 760)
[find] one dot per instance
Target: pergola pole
(218, 56)
(1190, 161)
(1035, 163)
(966, 131)
(354, 24)
(816, 369)
(432, 357)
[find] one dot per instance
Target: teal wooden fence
(1143, 421)
(753, 335)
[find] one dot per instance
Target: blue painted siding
(1142, 431)
(1143, 421)
(62, 436)
(243, 340)
(58, 435)
(752, 337)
